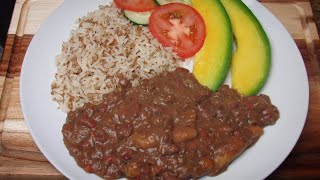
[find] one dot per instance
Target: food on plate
(212, 62)
(136, 5)
(163, 2)
(178, 26)
(167, 127)
(103, 47)
(142, 18)
(138, 18)
(252, 60)
(132, 112)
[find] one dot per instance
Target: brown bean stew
(168, 127)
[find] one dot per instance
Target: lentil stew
(168, 127)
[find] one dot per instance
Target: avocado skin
(212, 64)
(247, 91)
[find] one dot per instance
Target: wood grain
(38, 12)
(21, 159)
(316, 11)
(12, 168)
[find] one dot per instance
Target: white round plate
(287, 87)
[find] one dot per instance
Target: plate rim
(65, 173)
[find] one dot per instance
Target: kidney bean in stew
(168, 127)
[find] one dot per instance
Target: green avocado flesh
(250, 64)
(212, 62)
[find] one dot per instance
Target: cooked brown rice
(104, 46)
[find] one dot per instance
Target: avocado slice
(250, 64)
(212, 62)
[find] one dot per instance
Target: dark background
(6, 8)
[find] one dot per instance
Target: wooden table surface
(21, 159)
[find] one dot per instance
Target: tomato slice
(136, 5)
(179, 26)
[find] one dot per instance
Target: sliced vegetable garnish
(179, 26)
(136, 5)
(163, 2)
(140, 18)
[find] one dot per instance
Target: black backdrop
(6, 8)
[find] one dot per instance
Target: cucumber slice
(162, 2)
(141, 18)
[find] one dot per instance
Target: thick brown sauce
(169, 127)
